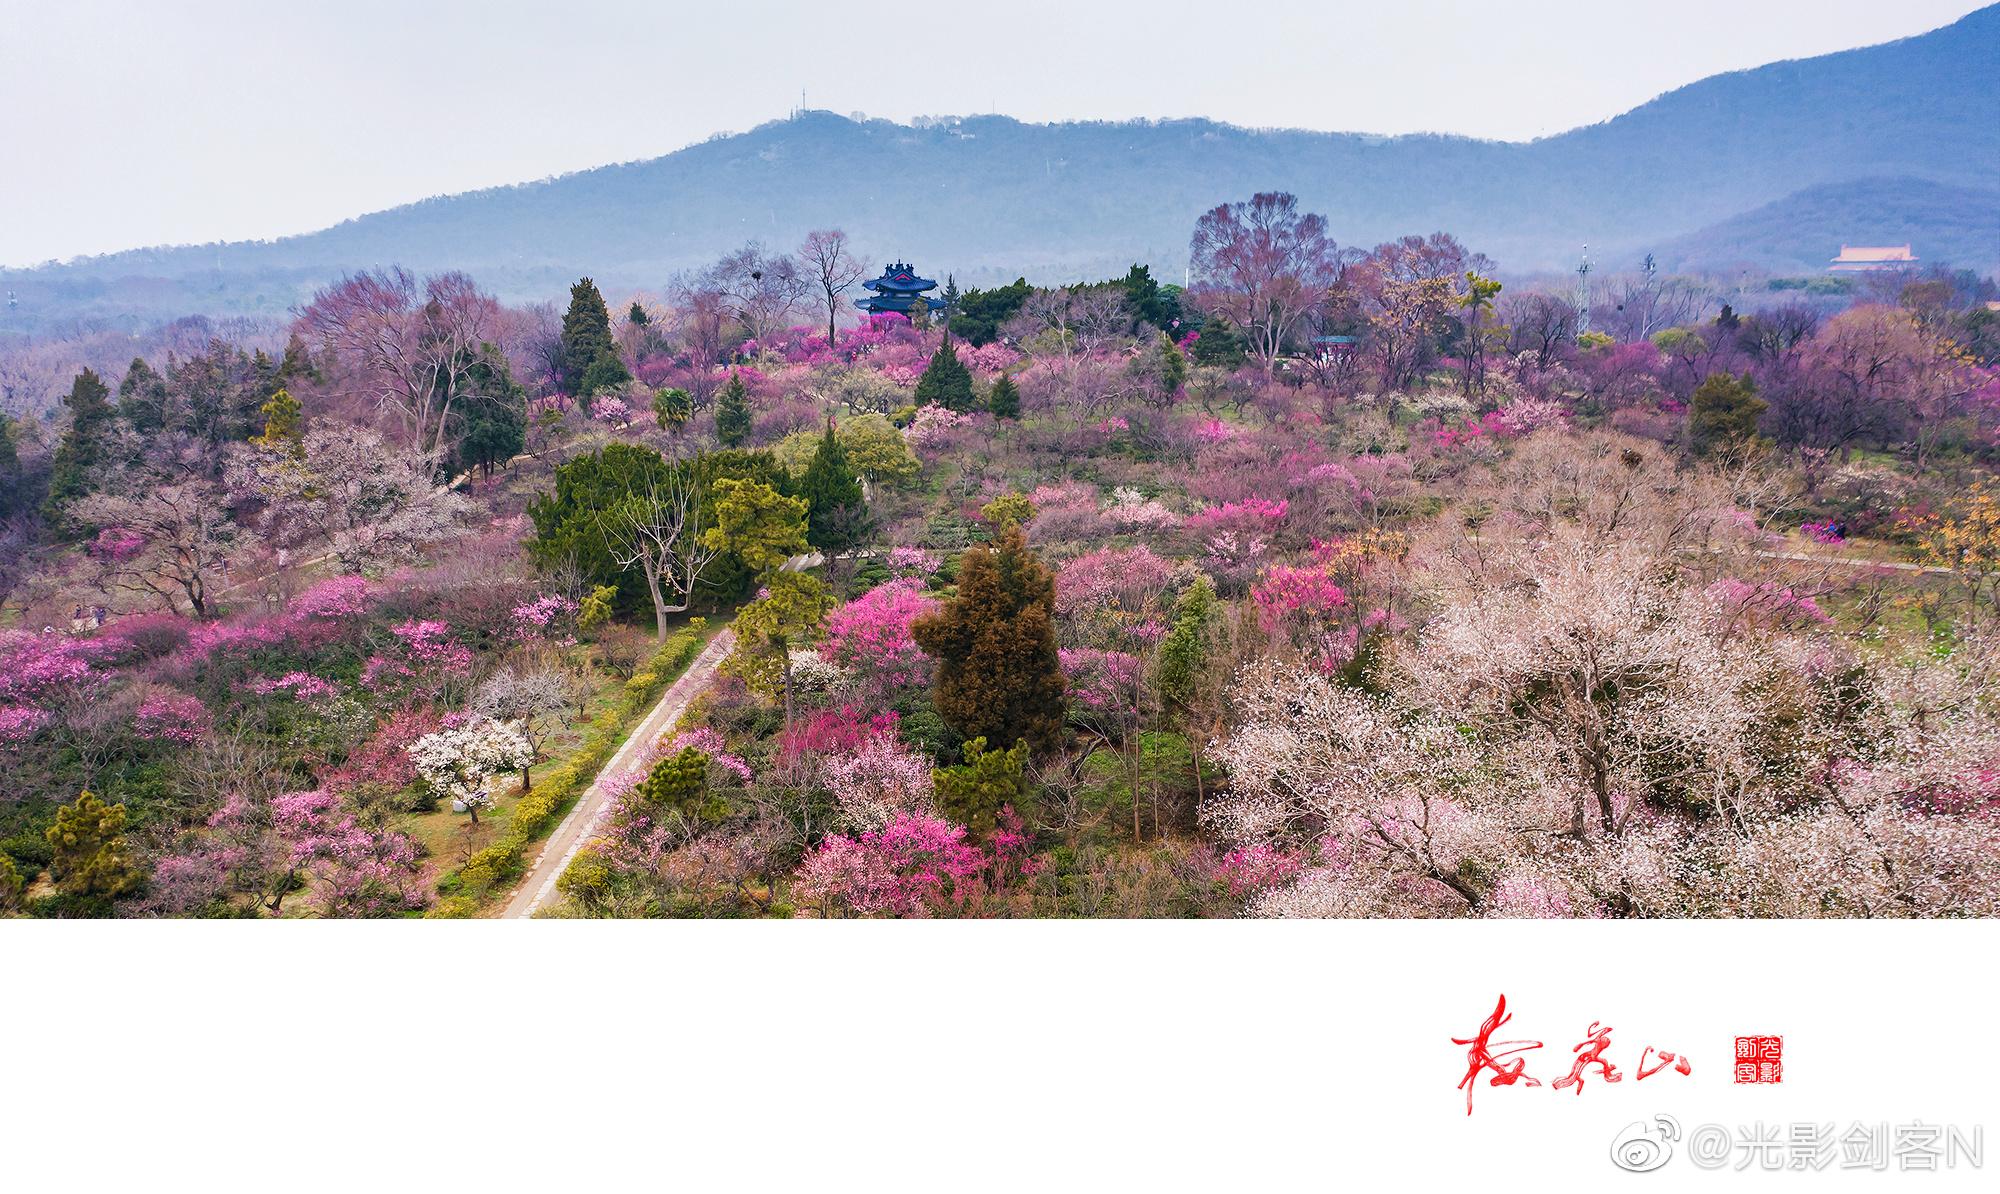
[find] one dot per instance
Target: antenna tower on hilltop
(1583, 293)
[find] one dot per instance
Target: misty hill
(1798, 233)
(989, 197)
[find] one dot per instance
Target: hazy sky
(132, 124)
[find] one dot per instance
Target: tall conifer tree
(590, 356)
(82, 447)
(732, 413)
(946, 381)
(1004, 399)
(999, 677)
(837, 512)
(12, 484)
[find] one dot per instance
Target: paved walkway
(538, 889)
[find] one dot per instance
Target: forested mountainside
(989, 198)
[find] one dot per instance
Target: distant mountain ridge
(989, 197)
(1801, 232)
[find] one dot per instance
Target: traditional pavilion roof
(1857, 257)
(898, 289)
(900, 278)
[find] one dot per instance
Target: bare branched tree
(831, 270)
(660, 532)
(1265, 265)
(407, 345)
(1637, 305)
(702, 319)
(760, 288)
(167, 542)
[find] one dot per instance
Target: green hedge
(538, 810)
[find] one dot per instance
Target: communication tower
(1583, 293)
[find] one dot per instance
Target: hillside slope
(1797, 234)
(990, 197)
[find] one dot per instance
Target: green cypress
(1004, 400)
(946, 381)
(833, 495)
(586, 338)
(82, 447)
(732, 413)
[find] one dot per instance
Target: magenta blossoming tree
(906, 868)
(425, 661)
(871, 635)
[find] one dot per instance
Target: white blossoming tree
(1582, 732)
(462, 763)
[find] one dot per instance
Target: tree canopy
(998, 674)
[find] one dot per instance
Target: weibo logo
(1642, 1149)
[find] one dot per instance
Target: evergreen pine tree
(586, 337)
(950, 297)
(10, 885)
(89, 843)
(297, 362)
(1143, 293)
(12, 497)
(82, 447)
(1723, 413)
(732, 413)
(836, 513)
(1004, 399)
(284, 426)
(637, 315)
(999, 677)
(946, 381)
(10, 456)
(678, 785)
(142, 397)
(607, 372)
(974, 794)
(491, 418)
(1219, 345)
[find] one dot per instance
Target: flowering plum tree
(871, 635)
(1263, 265)
(462, 763)
(426, 660)
(354, 871)
(878, 781)
(905, 868)
(1608, 739)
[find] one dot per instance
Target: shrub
(88, 839)
(974, 794)
(639, 689)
